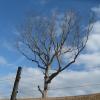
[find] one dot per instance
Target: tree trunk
(45, 90)
(46, 77)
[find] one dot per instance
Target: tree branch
(33, 60)
(72, 60)
(40, 90)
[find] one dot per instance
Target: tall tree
(56, 40)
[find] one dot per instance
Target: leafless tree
(56, 40)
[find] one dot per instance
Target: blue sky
(13, 12)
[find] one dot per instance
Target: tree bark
(46, 77)
(45, 90)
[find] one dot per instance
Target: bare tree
(55, 40)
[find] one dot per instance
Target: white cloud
(6, 83)
(93, 43)
(91, 57)
(2, 60)
(68, 79)
(67, 83)
(96, 10)
(89, 60)
(10, 46)
(30, 81)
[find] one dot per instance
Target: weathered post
(16, 83)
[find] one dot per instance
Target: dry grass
(82, 97)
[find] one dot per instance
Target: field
(82, 97)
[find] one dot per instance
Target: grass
(82, 97)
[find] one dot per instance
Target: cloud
(11, 65)
(89, 60)
(3, 60)
(72, 79)
(69, 84)
(96, 10)
(91, 57)
(33, 79)
(93, 43)
(6, 84)
(10, 46)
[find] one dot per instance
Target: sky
(85, 71)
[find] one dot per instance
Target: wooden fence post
(16, 83)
